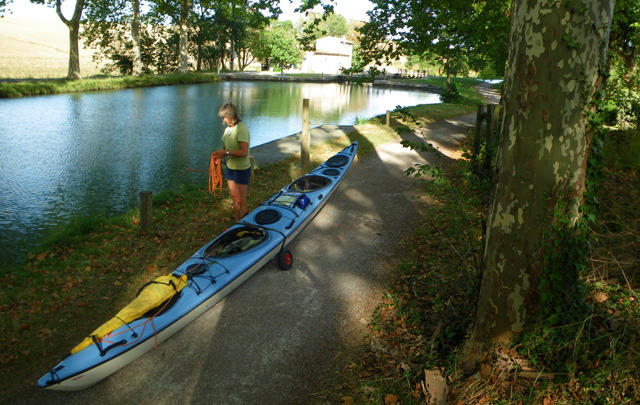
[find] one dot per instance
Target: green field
(38, 49)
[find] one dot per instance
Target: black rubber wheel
(285, 259)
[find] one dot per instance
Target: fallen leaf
(391, 399)
(436, 386)
(484, 400)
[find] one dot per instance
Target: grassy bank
(85, 274)
(23, 88)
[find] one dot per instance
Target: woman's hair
(230, 112)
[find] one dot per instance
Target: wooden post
(306, 133)
(388, 118)
(146, 211)
(478, 139)
(253, 162)
(488, 147)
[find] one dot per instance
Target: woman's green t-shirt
(231, 140)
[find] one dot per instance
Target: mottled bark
(557, 53)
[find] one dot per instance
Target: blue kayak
(204, 279)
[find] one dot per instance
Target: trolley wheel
(285, 259)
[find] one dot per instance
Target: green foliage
(431, 172)
(406, 114)
(319, 25)
(459, 34)
(159, 46)
(281, 45)
(452, 95)
(623, 95)
(566, 256)
(358, 64)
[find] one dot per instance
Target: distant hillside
(38, 49)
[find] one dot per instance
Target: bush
(451, 95)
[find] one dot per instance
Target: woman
(238, 164)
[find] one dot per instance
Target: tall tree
(185, 7)
(135, 36)
(178, 11)
(557, 56)
(102, 16)
(241, 19)
(280, 45)
(73, 25)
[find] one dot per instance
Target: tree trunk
(556, 56)
(135, 33)
(74, 30)
(184, 37)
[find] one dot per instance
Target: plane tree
(280, 45)
(73, 24)
(241, 22)
(105, 25)
(534, 246)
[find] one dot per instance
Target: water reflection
(88, 154)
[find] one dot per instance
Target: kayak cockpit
(308, 183)
(236, 240)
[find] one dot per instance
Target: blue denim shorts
(238, 176)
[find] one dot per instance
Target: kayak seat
(309, 183)
(236, 240)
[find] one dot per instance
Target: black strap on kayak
(55, 379)
(156, 282)
(194, 284)
(134, 335)
(106, 350)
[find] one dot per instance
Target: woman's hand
(220, 153)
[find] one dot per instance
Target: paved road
(279, 337)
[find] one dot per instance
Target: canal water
(70, 155)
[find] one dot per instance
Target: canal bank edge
(280, 149)
(277, 77)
